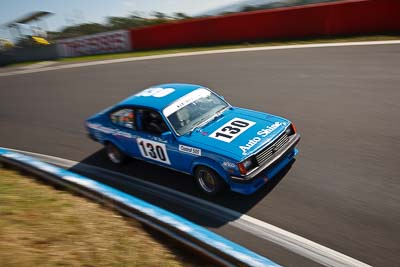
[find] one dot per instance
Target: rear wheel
(209, 181)
(115, 155)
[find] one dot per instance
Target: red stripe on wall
(344, 17)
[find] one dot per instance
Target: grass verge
(232, 46)
(219, 47)
(42, 226)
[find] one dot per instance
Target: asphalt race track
(343, 191)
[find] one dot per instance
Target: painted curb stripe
(288, 240)
(205, 236)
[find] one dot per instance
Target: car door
(155, 141)
(124, 130)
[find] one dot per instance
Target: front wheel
(115, 155)
(209, 181)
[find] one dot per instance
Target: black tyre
(115, 155)
(208, 181)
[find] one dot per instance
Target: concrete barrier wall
(5, 58)
(339, 18)
(44, 52)
(37, 53)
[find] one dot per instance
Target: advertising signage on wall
(101, 43)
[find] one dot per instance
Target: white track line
(261, 229)
(221, 51)
(38, 65)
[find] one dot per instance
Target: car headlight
(246, 165)
(291, 129)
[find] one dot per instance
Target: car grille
(266, 153)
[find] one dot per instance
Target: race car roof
(160, 96)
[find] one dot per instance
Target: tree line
(135, 20)
(278, 4)
(115, 23)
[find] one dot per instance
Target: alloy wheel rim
(207, 181)
(113, 154)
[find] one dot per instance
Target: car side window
(150, 121)
(124, 117)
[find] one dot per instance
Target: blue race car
(193, 130)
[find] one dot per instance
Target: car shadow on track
(177, 181)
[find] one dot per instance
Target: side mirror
(167, 136)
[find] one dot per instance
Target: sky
(69, 12)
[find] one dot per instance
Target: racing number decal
(153, 150)
(232, 129)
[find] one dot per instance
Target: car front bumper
(250, 183)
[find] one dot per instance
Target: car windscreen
(193, 109)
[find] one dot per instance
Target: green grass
(231, 46)
(219, 47)
(42, 226)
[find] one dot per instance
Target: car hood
(262, 130)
